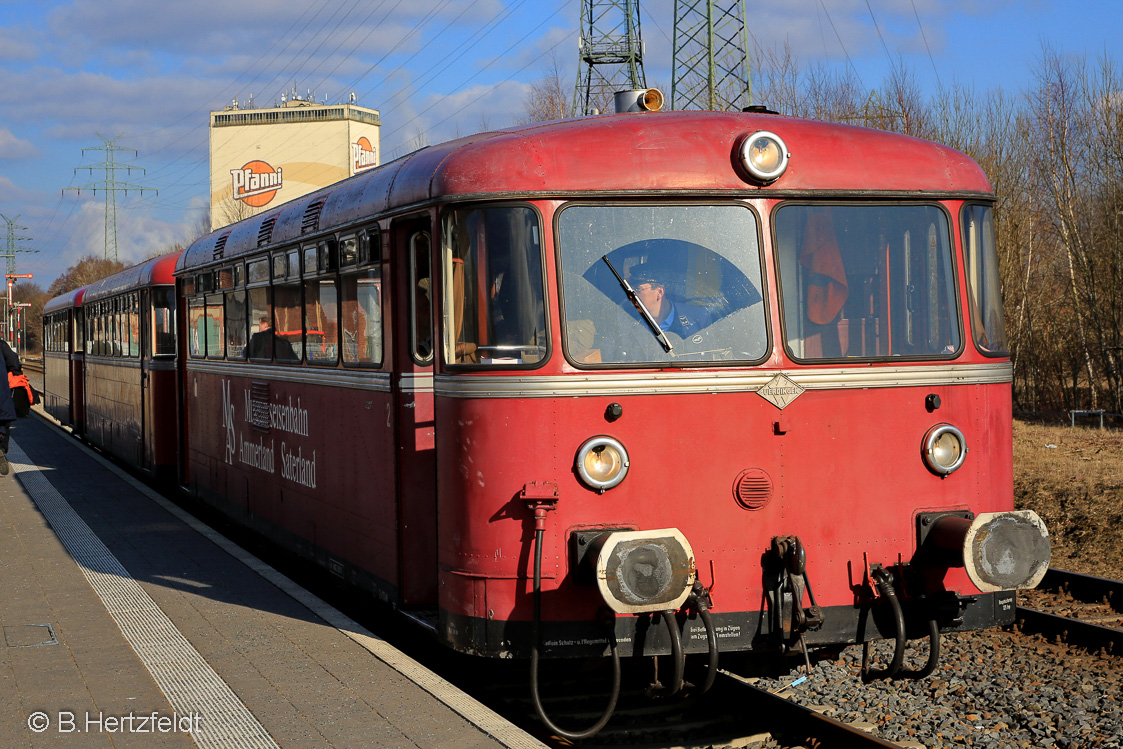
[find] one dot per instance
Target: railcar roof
(72, 298)
(626, 154)
(153, 272)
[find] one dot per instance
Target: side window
(361, 299)
(79, 330)
(163, 321)
(215, 319)
(421, 299)
(91, 324)
(114, 327)
(236, 324)
(196, 327)
(321, 309)
(260, 307)
(493, 297)
(288, 344)
(261, 323)
(981, 259)
(134, 325)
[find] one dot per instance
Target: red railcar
(738, 380)
(130, 386)
(64, 333)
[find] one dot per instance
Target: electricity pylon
(110, 185)
(11, 244)
(710, 63)
(610, 52)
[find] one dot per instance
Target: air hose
(615, 695)
(884, 581)
(703, 609)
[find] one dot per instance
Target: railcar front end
(771, 422)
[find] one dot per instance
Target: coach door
(142, 340)
(413, 397)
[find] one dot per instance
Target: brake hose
(885, 585)
(538, 708)
(933, 655)
(711, 638)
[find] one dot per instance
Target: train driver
(672, 315)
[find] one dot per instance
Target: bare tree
(547, 99)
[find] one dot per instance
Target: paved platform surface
(124, 622)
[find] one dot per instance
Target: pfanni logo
(256, 183)
(363, 154)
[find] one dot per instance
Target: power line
(879, 36)
(926, 47)
(110, 185)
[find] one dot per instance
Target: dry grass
(1073, 479)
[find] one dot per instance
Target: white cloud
(11, 193)
(12, 147)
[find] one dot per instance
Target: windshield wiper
(627, 287)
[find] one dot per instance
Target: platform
(124, 621)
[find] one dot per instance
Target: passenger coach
(632, 385)
(64, 333)
(130, 384)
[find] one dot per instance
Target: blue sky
(148, 72)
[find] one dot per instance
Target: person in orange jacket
(11, 365)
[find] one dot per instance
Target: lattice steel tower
(11, 243)
(710, 65)
(110, 185)
(610, 52)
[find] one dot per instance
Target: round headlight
(764, 155)
(944, 449)
(602, 463)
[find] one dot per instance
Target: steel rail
(1073, 630)
(806, 724)
(1086, 588)
(1077, 632)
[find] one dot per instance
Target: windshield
(695, 269)
(866, 281)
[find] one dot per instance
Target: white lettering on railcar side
(289, 418)
(295, 467)
(259, 452)
(228, 422)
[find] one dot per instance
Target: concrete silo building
(261, 158)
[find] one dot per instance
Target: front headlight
(944, 449)
(764, 155)
(602, 463)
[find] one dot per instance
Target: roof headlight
(602, 463)
(944, 449)
(764, 155)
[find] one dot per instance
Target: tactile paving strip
(187, 680)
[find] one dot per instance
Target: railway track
(736, 712)
(1082, 610)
